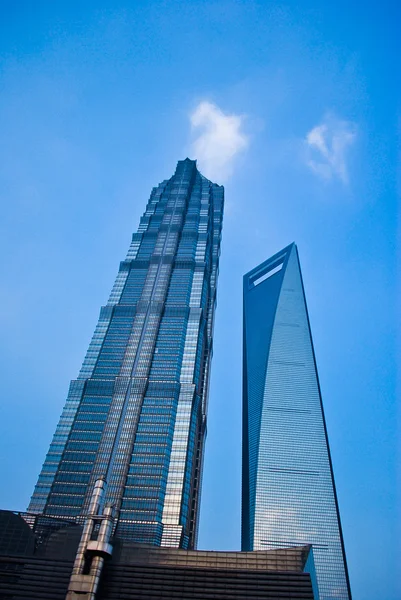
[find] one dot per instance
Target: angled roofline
(284, 252)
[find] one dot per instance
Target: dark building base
(36, 560)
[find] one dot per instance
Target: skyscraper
(288, 491)
(136, 414)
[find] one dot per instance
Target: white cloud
(327, 147)
(220, 138)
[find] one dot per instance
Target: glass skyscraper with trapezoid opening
(136, 414)
(288, 491)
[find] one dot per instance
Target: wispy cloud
(327, 147)
(220, 138)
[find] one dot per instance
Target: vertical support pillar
(91, 553)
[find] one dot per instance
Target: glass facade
(136, 414)
(288, 492)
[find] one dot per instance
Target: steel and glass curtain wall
(136, 414)
(288, 492)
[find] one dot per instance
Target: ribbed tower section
(288, 491)
(136, 414)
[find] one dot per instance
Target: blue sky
(98, 100)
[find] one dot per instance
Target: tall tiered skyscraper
(288, 491)
(136, 414)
